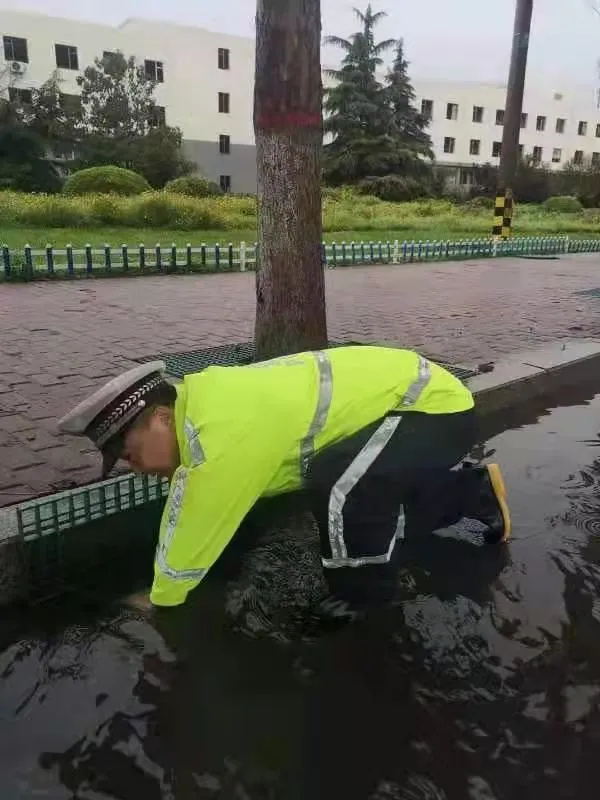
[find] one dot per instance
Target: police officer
(376, 437)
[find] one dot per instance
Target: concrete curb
(516, 382)
(532, 374)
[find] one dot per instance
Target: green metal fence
(69, 509)
(69, 262)
(66, 538)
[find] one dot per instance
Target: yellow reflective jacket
(250, 432)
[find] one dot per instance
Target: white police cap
(106, 413)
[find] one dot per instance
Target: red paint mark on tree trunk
(279, 120)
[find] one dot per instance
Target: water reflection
(236, 717)
(482, 681)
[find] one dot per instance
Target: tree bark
(288, 124)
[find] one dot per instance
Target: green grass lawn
(17, 237)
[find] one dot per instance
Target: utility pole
(288, 125)
(509, 157)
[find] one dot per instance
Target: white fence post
(396, 257)
(242, 256)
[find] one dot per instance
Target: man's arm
(206, 505)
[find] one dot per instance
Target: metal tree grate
(230, 355)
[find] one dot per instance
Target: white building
(205, 85)
(205, 80)
(558, 125)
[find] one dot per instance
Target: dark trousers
(391, 481)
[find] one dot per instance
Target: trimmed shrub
(106, 180)
(563, 205)
(193, 186)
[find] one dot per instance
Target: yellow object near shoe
(499, 488)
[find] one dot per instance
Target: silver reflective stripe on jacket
(307, 446)
(196, 451)
(337, 499)
(416, 389)
(175, 502)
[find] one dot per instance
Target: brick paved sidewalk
(60, 340)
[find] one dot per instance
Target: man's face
(150, 445)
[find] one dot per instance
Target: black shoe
(491, 507)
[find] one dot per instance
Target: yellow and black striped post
(503, 215)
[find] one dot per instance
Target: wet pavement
(483, 682)
(60, 340)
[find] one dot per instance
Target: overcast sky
(455, 39)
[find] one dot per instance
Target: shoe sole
(499, 488)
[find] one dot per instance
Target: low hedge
(343, 210)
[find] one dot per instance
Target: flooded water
(482, 682)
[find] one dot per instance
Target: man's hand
(139, 601)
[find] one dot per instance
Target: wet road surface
(483, 682)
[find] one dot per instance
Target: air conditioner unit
(17, 67)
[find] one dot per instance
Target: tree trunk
(288, 124)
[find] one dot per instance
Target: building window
(15, 49)
(475, 147)
(477, 113)
(66, 56)
(582, 129)
(223, 102)
(158, 117)
(496, 149)
(560, 125)
(449, 144)
(540, 124)
(500, 116)
(155, 71)
(223, 58)
(524, 118)
(427, 109)
(556, 155)
(595, 159)
(598, 131)
(21, 96)
(578, 157)
(224, 144)
(537, 155)
(452, 111)
(521, 150)
(225, 183)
